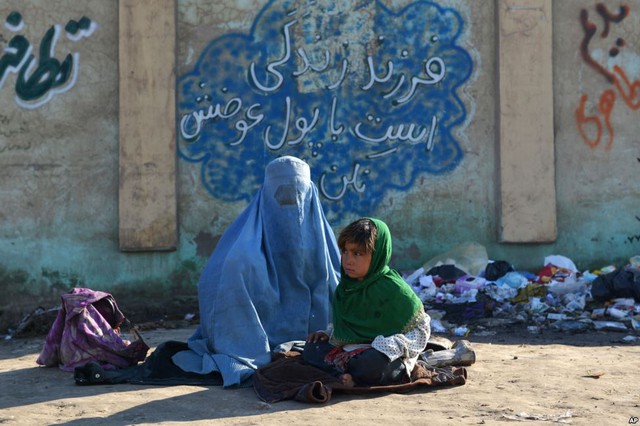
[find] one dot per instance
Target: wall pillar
(525, 113)
(147, 190)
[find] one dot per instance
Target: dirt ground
(551, 377)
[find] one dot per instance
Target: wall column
(147, 190)
(525, 113)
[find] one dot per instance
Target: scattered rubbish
(500, 293)
(556, 317)
(560, 261)
(574, 301)
(513, 279)
(460, 331)
(616, 313)
(609, 326)
(571, 285)
(552, 273)
(470, 257)
(558, 296)
(572, 325)
(497, 269)
(436, 314)
(618, 283)
(411, 279)
(530, 291)
(537, 306)
(606, 270)
(469, 283)
(437, 326)
(627, 304)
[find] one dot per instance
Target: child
(379, 324)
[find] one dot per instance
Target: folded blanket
(288, 377)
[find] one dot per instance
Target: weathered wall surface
(58, 146)
(393, 104)
(381, 101)
(59, 159)
(597, 103)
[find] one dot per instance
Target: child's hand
(318, 336)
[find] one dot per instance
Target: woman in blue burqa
(269, 281)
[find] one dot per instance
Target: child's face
(355, 261)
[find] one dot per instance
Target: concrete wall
(432, 161)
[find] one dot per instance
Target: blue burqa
(270, 279)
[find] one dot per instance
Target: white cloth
(406, 346)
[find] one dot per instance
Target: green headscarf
(381, 304)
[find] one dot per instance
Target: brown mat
(288, 377)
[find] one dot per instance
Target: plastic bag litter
(468, 283)
(437, 327)
(569, 285)
(561, 262)
(425, 288)
(537, 306)
(514, 280)
(622, 283)
(471, 257)
(574, 302)
(413, 277)
(500, 293)
(496, 269)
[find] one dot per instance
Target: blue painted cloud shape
(367, 96)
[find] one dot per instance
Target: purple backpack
(87, 330)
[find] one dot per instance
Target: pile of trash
(493, 293)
